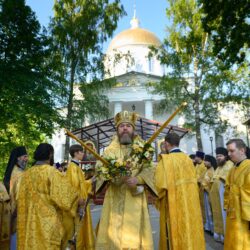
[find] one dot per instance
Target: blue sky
(151, 13)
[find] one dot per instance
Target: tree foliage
(79, 29)
(228, 22)
(30, 82)
(194, 74)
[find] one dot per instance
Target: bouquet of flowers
(115, 170)
(141, 153)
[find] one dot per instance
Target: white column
(149, 109)
(117, 107)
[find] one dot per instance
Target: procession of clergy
(42, 208)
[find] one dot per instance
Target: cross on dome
(134, 21)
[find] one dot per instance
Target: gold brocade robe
(205, 185)
(14, 186)
(5, 216)
(43, 195)
(200, 170)
(206, 180)
(125, 222)
(237, 205)
(180, 215)
(219, 177)
(85, 233)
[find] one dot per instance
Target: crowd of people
(46, 207)
(224, 193)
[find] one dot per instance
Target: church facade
(127, 60)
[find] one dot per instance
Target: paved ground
(154, 215)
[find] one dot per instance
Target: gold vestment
(15, 179)
(44, 193)
(180, 214)
(5, 216)
(237, 204)
(125, 222)
(85, 233)
(200, 170)
(219, 177)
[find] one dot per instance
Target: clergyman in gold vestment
(125, 222)
(200, 168)
(237, 198)
(44, 193)
(16, 165)
(180, 214)
(216, 193)
(83, 227)
(5, 216)
(205, 185)
(200, 171)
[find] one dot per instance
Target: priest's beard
(221, 163)
(126, 138)
(21, 163)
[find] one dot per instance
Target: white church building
(132, 73)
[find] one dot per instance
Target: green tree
(194, 74)
(229, 26)
(30, 82)
(79, 29)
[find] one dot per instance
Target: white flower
(147, 154)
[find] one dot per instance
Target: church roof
(134, 36)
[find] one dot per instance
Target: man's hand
(80, 210)
(81, 203)
(131, 181)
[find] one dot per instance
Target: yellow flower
(120, 162)
(104, 170)
(108, 176)
(140, 144)
(151, 149)
(140, 150)
(135, 147)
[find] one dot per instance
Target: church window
(150, 64)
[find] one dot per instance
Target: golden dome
(134, 36)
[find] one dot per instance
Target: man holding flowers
(125, 222)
